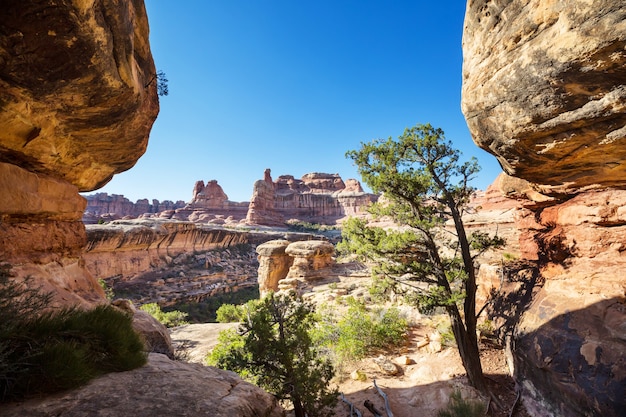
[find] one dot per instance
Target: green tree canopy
(423, 187)
(273, 349)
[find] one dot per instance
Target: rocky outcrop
(161, 388)
(102, 206)
(274, 264)
(285, 265)
(544, 89)
(316, 198)
(210, 204)
(78, 100)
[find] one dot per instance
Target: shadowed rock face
(544, 89)
(77, 88)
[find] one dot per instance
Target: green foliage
(108, 291)
(424, 186)
(307, 227)
(458, 407)
(274, 349)
(229, 313)
(49, 351)
(167, 318)
(360, 331)
(206, 311)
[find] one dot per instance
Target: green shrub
(229, 313)
(167, 318)
(360, 331)
(44, 352)
(458, 407)
(206, 310)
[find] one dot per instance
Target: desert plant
(108, 291)
(424, 186)
(360, 331)
(44, 350)
(459, 407)
(274, 349)
(230, 313)
(167, 318)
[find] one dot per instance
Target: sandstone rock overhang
(78, 93)
(544, 89)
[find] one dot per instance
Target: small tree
(274, 350)
(424, 185)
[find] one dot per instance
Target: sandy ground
(420, 388)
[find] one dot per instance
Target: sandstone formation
(78, 98)
(285, 265)
(544, 89)
(316, 198)
(168, 262)
(210, 204)
(274, 264)
(155, 335)
(102, 206)
(161, 388)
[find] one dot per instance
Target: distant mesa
(102, 206)
(316, 197)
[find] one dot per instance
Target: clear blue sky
(291, 85)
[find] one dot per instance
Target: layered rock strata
(169, 262)
(78, 98)
(285, 265)
(102, 206)
(544, 91)
(316, 198)
(274, 264)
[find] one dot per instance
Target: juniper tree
(273, 349)
(424, 185)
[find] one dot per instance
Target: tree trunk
(468, 350)
(297, 407)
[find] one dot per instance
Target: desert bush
(230, 313)
(273, 348)
(44, 351)
(167, 318)
(458, 407)
(360, 331)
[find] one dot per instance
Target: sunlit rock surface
(161, 388)
(544, 89)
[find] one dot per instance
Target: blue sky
(293, 85)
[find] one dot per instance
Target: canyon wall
(78, 100)
(544, 90)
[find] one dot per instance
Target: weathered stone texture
(317, 198)
(544, 89)
(161, 388)
(274, 264)
(77, 88)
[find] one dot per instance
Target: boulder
(544, 89)
(161, 388)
